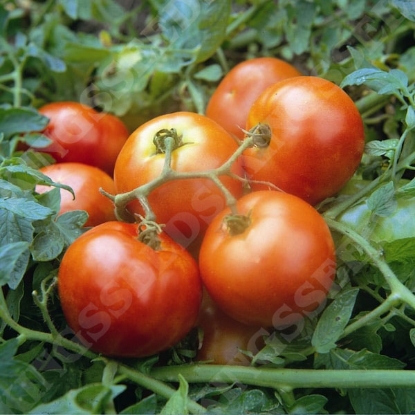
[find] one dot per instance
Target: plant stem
(398, 290)
(158, 387)
(384, 307)
(140, 193)
(286, 379)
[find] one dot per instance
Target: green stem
(140, 193)
(287, 379)
(157, 387)
(384, 307)
(398, 290)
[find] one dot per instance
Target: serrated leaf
(188, 25)
(333, 320)
(399, 250)
(373, 401)
(27, 177)
(21, 120)
(379, 148)
(47, 244)
(25, 208)
(380, 81)
(70, 224)
(10, 259)
(301, 16)
(382, 201)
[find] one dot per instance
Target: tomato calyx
(260, 135)
(167, 139)
(237, 223)
(148, 233)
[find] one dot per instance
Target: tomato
(123, 298)
(231, 101)
(86, 182)
(82, 134)
(313, 138)
(224, 339)
(399, 224)
(185, 206)
(272, 268)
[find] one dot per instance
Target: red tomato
(224, 338)
(274, 270)
(316, 138)
(82, 134)
(85, 181)
(185, 206)
(230, 103)
(123, 298)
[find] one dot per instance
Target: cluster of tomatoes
(238, 254)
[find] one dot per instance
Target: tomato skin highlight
(231, 101)
(278, 270)
(122, 298)
(317, 138)
(86, 182)
(186, 206)
(82, 134)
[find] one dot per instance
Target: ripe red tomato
(231, 101)
(185, 206)
(274, 270)
(85, 181)
(224, 338)
(123, 298)
(82, 134)
(316, 138)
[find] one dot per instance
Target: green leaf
(379, 148)
(188, 25)
(352, 360)
(78, 53)
(54, 236)
(25, 208)
(27, 177)
(412, 336)
(382, 201)
(177, 404)
(90, 399)
(410, 117)
(21, 385)
(10, 260)
(406, 8)
(21, 120)
(333, 320)
(300, 17)
(70, 7)
(399, 250)
(377, 401)
(382, 82)
(146, 406)
(210, 73)
(309, 404)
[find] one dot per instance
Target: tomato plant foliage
(139, 60)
